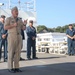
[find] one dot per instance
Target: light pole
(1, 4)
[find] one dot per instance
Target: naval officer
(14, 25)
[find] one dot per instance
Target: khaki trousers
(14, 50)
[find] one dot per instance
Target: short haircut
(2, 16)
(14, 8)
(31, 21)
(70, 24)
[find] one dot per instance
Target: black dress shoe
(72, 54)
(69, 54)
(21, 59)
(35, 57)
(5, 60)
(12, 70)
(18, 70)
(29, 58)
(0, 61)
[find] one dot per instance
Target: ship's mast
(31, 5)
(19, 3)
(9, 4)
(34, 5)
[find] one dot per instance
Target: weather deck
(47, 64)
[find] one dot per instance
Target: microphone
(16, 19)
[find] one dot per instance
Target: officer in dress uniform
(14, 25)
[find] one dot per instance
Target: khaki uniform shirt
(11, 21)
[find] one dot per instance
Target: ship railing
(52, 48)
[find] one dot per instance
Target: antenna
(19, 2)
(34, 5)
(9, 4)
(31, 5)
(27, 5)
